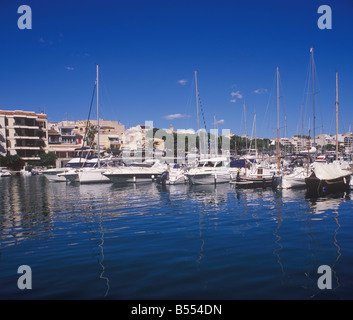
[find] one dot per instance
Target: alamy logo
(324, 281)
(25, 20)
(325, 21)
(24, 281)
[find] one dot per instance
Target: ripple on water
(175, 242)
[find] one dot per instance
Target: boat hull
(5, 174)
(316, 186)
(293, 183)
(52, 175)
(177, 180)
(70, 176)
(208, 178)
(250, 182)
(131, 178)
(92, 176)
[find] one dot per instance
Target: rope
(89, 114)
(204, 122)
(203, 116)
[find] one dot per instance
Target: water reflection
(326, 209)
(24, 210)
(319, 206)
(279, 221)
(207, 240)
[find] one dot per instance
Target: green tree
(13, 162)
(48, 159)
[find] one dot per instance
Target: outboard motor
(163, 177)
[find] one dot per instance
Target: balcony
(26, 137)
(68, 134)
(26, 148)
(22, 126)
(30, 158)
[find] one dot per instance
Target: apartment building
(301, 144)
(23, 133)
(348, 143)
(64, 141)
(110, 132)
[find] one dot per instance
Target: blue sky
(148, 51)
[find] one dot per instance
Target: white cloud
(260, 91)
(176, 116)
(218, 122)
(42, 40)
(183, 82)
(233, 100)
(237, 94)
(70, 68)
(186, 131)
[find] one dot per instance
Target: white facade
(23, 133)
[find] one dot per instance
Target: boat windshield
(80, 165)
(141, 165)
(73, 165)
(206, 164)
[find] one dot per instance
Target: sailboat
(296, 178)
(329, 177)
(95, 173)
(58, 174)
(209, 170)
(259, 175)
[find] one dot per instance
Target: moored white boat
(256, 177)
(136, 172)
(4, 172)
(295, 179)
(173, 175)
(89, 173)
(210, 171)
(25, 172)
(56, 174)
(52, 174)
(177, 175)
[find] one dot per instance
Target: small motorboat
(328, 178)
(4, 172)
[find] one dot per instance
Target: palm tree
(90, 135)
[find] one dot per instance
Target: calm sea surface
(103, 241)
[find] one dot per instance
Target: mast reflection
(322, 209)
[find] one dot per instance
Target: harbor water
(147, 241)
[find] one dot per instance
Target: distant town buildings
(66, 138)
(28, 134)
(63, 141)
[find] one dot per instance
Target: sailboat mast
(246, 138)
(336, 115)
(255, 135)
(197, 102)
(197, 110)
(297, 139)
(216, 135)
(278, 162)
(308, 161)
(98, 118)
(313, 75)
